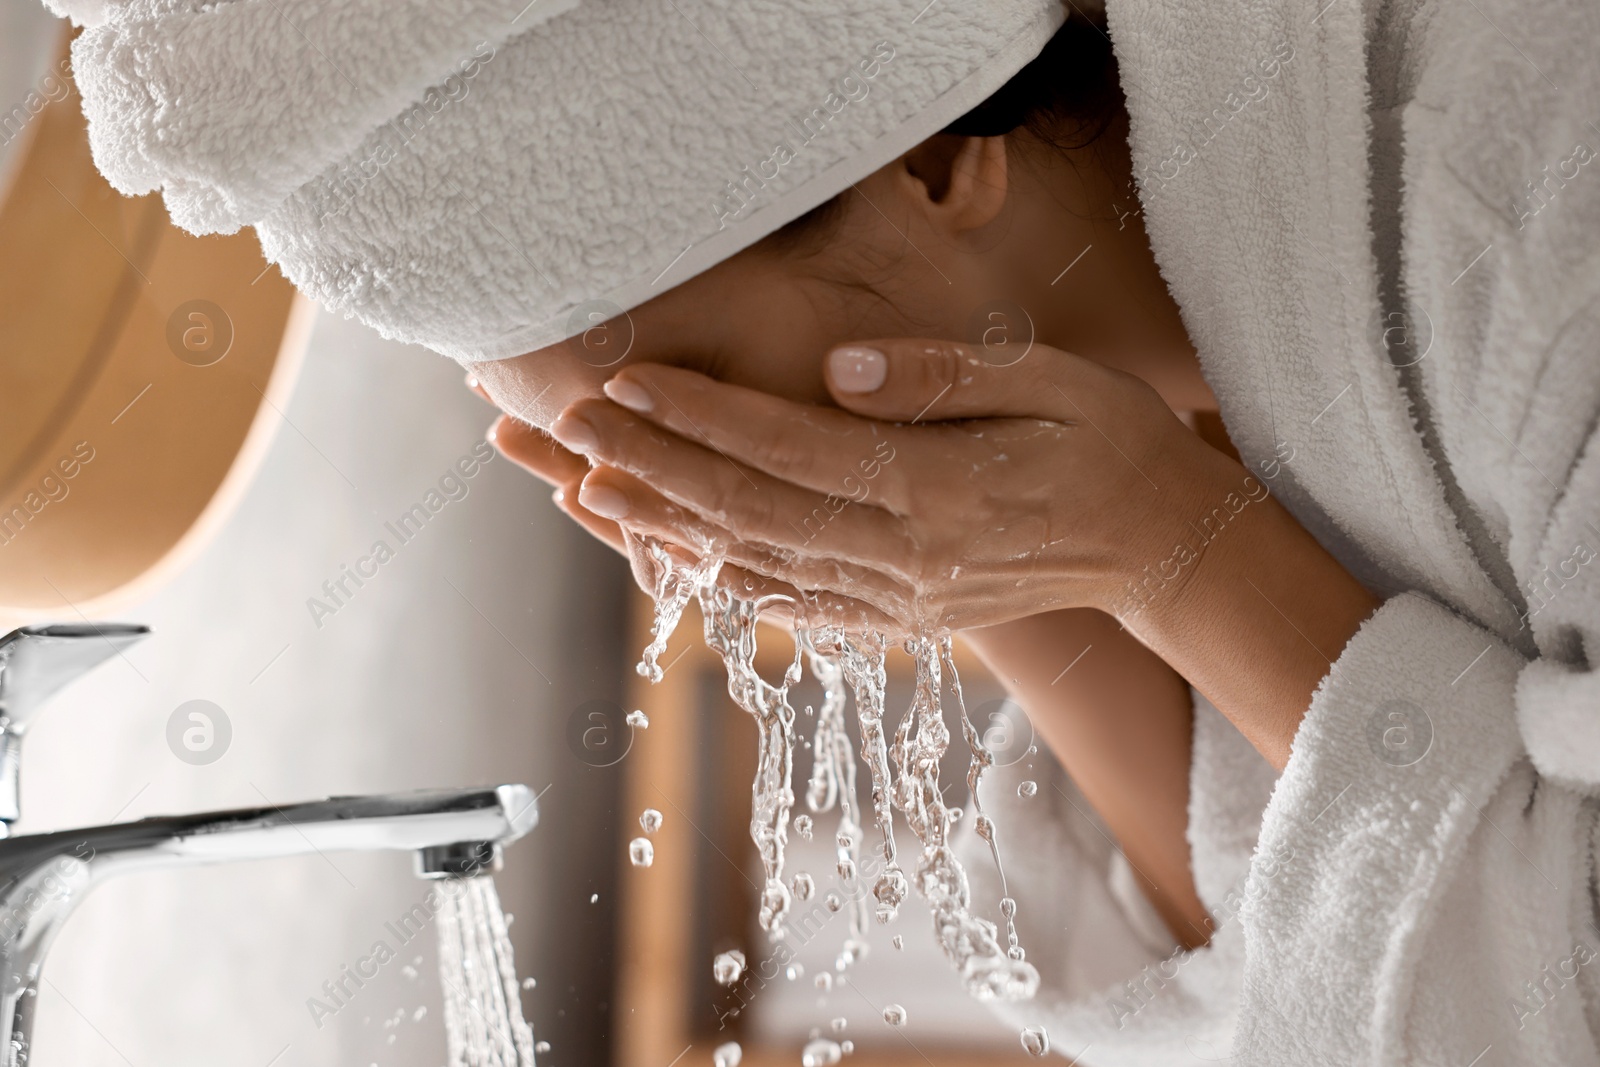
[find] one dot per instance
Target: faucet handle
(36, 662)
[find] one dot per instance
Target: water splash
(482, 1007)
(862, 664)
(821, 1053)
(1036, 1041)
(730, 631)
(833, 781)
(904, 773)
(728, 966)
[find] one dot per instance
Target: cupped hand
(535, 451)
(948, 492)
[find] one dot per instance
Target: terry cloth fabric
(488, 177)
(1378, 217)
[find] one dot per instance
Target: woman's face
(763, 318)
(926, 246)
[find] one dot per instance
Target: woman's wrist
(1247, 606)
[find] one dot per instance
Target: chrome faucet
(455, 833)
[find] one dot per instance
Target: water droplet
(795, 970)
(824, 981)
(899, 942)
(839, 1024)
(529, 983)
(409, 971)
(955, 815)
(802, 826)
(894, 1015)
(1008, 907)
(417, 1015)
(594, 898)
(541, 1047)
(1017, 953)
(728, 966)
(774, 904)
(727, 1055)
(820, 1053)
(637, 718)
(983, 826)
(1027, 789)
(891, 888)
(1035, 1041)
(803, 886)
(641, 852)
(833, 902)
(847, 1047)
(650, 820)
(847, 869)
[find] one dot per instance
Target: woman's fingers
(751, 568)
(658, 517)
(477, 387)
(748, 503)
(534, 450)
(566, 499)
(822, 449)
(648, 511)
(781, 599)
(916, 380)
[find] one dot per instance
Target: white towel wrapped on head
(479, 176)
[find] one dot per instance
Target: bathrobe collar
(1277, 281)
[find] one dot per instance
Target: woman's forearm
(1256, 621)
(1119, 721)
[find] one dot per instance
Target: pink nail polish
(630, 395)
(575, 434)
(605, 501)
(857, 369)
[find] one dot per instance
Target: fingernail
(575, 434)
(604, 501)
(855, 369)
(630, 395)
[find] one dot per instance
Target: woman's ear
(959, 183)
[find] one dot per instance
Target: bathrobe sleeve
(1429, 899)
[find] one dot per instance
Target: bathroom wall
(458, 663)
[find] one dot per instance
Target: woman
(1365, 225)
(1421, 890)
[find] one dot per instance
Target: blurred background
(496, 645)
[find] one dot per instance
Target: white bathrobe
(1382, 223)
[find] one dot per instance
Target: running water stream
(904, 772)
(482, 1003)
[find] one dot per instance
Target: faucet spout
(453, 832)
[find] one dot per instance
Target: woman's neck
(1077, 246)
